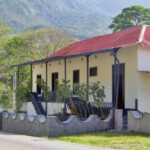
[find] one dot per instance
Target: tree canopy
(130, 17)
(27, 46)
(30, 46)
(5, 30)
(34, 45)
(5, 89)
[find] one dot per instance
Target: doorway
(121, 87)
(38, 87)
(76, 76)
(54, 80)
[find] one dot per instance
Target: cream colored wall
(38, 69)
(143, 59)
(55, 66)
(103, 62)
(128, 56)
(52, 67)
(76, 63)
(143, 92)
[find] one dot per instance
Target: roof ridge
(142, 33)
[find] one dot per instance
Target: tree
(34, 45)
(98, 93)
(130, 17)
(5, 89)
(29, 46)
(5, 95)
(5, 30)
(63, 92)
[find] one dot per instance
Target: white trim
(142, 33)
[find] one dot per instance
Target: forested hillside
(82, 18)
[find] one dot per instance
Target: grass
(118, 140)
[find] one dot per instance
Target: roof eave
(64, 57)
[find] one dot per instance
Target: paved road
(22, 142)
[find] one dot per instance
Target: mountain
(113, 7)
(82, 18)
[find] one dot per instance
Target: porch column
(46, 75)
(65, 70)
(31, 77)
(115, 84)
(87, 75)
(14, 89)
(18, 76)
(65, 78)
(116, 77)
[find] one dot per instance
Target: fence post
(136, 104)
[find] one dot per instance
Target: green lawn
(112, 140)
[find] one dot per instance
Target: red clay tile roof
(128, 37)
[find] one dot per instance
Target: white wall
(52, 108)
(143, 59)
(30, 109)
(144, 92)
(143, 79)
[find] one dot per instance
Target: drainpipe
(116, 82)
(46, 86)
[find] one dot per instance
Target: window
(93, 71)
